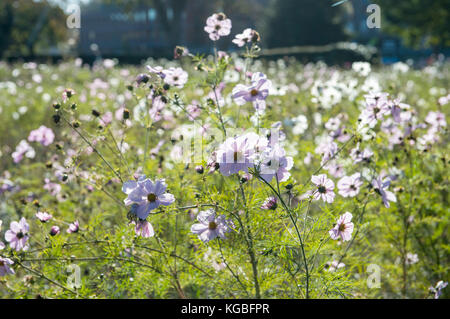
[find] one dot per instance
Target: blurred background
(132, 30)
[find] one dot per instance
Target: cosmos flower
(144, 195)
(349, 185)
(247, 36)
(218, 25)
(144, 229)
(23, 149)
(43, 135)
(2, 245)
(74, 227)
(4, 267)
(361, 156)
(43, 216)
(211, 226)
(256, 93)
(328, 149)
(158, 104)
(362, 68)
(324, 190)
(270, 203)
(175, 77)
(380, 186)
(343, 228)
(437, 290)
(17, 235)
(274, 162)
(158, 70)
(54, 231)
(436, 119)
(53, 188)
(377, 106)
(411, 258)
(193, 110)
(300, 125)
(334, 265)
(237, 153)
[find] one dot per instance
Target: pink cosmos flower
(438, 289)
(53, 188)
(43, 135)
(176, 77)
(270, 203)
(4, 267)
(247, 36)
(144, 195)
(343, 228)
(361, 156)
(334, 265)
(43, 216)
(144, 228)
(327, 149)
(237, 153)
(23, 149)
(349, 185)
(377, 106)
(54, 231)
(210, 226)
(17, 235)
(325, 188)
(193, 110)
(256, 93)
(218, 26)
(380, 186)
(436, 119)
(158, 105)
(274, 162)
(74, 227)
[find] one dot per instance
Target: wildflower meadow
(224, 175)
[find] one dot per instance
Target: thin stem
(287, 209)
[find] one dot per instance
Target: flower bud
(54, 231)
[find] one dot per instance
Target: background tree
(305, 22)
(27, 26)
(418, 22)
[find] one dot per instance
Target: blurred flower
(176, 77)
(438, 289)
(218, 26)
(411, 258)
(362, 68)
(43, 216)
(54, 230)
(247, 36)
(74, 227)
(4, 267)
(380, 186)
(43, 135)
(349, 185)
(274, 162)
(23, 149)
(270, 203)
(144, 228)
(333, 265)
